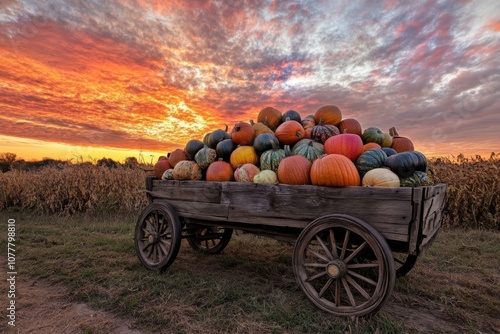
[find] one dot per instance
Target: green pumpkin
(217, 136)
(192, 147)
(205, 157)
(225, 148)
(371, 159)
(373, 135)
(308, 148)
(406, 163)
(292, 115)
(263, 142)
(271, 159)
(418, 179)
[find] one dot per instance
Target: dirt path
(42, 308)
(45, 308)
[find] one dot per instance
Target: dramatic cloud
(147, 75)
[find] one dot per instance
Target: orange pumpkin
(350, 125)
(329, 114)
(176, 156)
(369, 146)
(400, 144)
(219, 171)
(270, 115)
(289, 132)
(242, 155)
(243, 133)
(347, 144)
(261, 127)
(294, 169)
(334, 170)
(161, 166)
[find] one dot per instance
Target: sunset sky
(116, 78)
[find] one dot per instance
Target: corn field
(472, 198)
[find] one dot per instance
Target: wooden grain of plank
(200, 210)
(196, 191)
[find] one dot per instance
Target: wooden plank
(432, 214)
(415, 225)
(200, 210)
(196, 191)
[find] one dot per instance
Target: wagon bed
(340, 234)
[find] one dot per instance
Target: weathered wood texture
(399, 214)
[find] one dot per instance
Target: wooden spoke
(333, 243)
(356, 252)
(325, 287)
(358, 287)
(315, 265)
(318, 255)
(344, 245)
(348, 291)
(362, 265)
(210, 240)
(322, 244)
(361, 277)
(315, 277)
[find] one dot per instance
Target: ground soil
(42, 307)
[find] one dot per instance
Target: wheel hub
(336, 269)
(153, 237)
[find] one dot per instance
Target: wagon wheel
(404, 263)
(210, 239)
(157, 236)
(344, 266)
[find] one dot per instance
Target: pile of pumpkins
(323, 149)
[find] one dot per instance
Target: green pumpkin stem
(274, 145)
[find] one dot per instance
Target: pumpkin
(389, 151)
(292, 115)
(387, 142)
(417, 179)
(161, 166)
(371, 159)
(328, 114)
(261, 127)
(225, 148)
(308, 133)
(404, 164)
(309, 149)
(347, 144)
(263, 142)
(219, 171)
(380, 177)
(350, 125)
(308, 122)
(167, 175)
(187, 170)
(176, 156)
(192, 147)
(216, 136)
(243, 133)
(246, 173)
(373, 135)
(321, 132)
(369, 146)
(242, 155)
(334, 170)
(205, 138)
(289, 132)
(400, 144)
(266, 176)
(271, 115)
(294, 169)
(270, 159)
(205, 157)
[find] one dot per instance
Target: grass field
(250, 288)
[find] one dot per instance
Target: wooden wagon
(350, 243)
